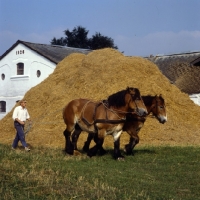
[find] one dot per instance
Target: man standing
(20, 115)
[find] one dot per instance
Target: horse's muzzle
(162, 119)
(141, 112)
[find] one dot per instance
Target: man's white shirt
(20, 113)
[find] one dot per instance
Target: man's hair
(21, 101)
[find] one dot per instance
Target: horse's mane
(148, 99)
(117, 99)
(162, 99)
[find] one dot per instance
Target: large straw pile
(96, 76)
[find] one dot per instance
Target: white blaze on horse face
(162, 118)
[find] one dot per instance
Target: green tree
(61, 41)
(78, 38)
(99, 41)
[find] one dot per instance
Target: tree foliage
(78, 38)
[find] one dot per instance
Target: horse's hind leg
(75, 136)
(68, 144)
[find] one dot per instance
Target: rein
(27, 129)
(28, 126)
(109, 121)
(95, 121)
(115, 111)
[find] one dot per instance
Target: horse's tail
(63, 114)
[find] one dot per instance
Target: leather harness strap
(95, 121)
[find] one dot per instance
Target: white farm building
(24, 65)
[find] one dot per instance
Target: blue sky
(138, 27)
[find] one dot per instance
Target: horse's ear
(127, 88)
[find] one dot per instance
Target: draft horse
(100, 118)
(155, 105)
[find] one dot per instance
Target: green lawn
(152, 173)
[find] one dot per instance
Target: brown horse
(133, 123)
(101, 119)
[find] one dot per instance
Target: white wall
(14, 86)
(195, 98)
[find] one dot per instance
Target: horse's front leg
(87, 142)
(117, 153)
(99, 143)
(132, 143)
(102, 151)
(68, 144)
(133, 130)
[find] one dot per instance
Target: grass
(152, 173)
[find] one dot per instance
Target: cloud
(159, 43)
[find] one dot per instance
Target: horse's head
(135, 101)
(158, 108)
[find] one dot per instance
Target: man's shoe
(27, 149)
(13, 148)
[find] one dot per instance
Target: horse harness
(95, 121)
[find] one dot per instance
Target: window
(2, 76)
(20, 68)
(2, 106)
(38, 73)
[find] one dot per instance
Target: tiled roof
(54, 53)
(182, 70)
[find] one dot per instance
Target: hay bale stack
(96, 76)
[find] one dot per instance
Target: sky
(138, 27)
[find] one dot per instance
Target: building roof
(164, 61)
(53, 53)
(183, 70)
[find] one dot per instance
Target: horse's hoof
(70, 152)
(102, 152)
(89, 154)
(120, 158)
(76, 153)
(85, 149)
(128, 151)
(67, 154)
